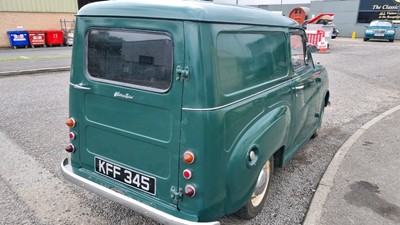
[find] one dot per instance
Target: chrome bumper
(137, 206)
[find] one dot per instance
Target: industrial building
(35, 15)
(350, 15)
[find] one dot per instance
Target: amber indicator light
(70, 122)
(188, 157)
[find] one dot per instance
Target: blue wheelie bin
(18, 38)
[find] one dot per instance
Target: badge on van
(120, 95)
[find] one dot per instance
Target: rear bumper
(137, 206)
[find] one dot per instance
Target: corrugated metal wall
(63, 6)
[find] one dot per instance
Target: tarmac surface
(360, 186)
(23, 61)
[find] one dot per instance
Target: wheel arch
(266, 137)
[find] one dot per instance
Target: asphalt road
(37, 58)
(364, 81)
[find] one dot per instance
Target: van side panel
(201, 130)
(221, 127)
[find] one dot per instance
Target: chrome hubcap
(262, 184)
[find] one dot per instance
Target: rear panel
(127, 103)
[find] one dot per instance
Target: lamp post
(282, 8)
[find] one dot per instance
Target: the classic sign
(379, 10)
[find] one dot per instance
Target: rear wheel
(391, 40)
(255, 204)
(366, 39)
(321, 117)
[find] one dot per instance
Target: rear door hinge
(182, 74)
(176, 193)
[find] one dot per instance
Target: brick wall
(29, 21)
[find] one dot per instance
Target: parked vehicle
(380, 29)
(181, 111)
(335, 33)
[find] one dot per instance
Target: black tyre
(391, 40)
(321, 117)
(366, 39)
(255, 204)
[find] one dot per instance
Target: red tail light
(72, 135)
(70, 148)
(187, 174)
(190, 191)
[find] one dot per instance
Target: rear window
(138, 59)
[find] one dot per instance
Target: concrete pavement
(361, 184)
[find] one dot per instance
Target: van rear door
(131, 102)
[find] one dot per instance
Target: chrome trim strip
(160, 216)
(77, 86)
(234, 102)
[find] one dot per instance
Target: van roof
(201, 11)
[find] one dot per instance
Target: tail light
(188, 158)
(72, 135)
(70, 148)
(187, 174)
(190, 191)
(71, 123)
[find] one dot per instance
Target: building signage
(379, 10)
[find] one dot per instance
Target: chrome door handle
(78, 86)
(299, 87)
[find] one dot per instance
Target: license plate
(132, 178)
(379, 35)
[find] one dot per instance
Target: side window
(138, 59)
(298, 51)
(250, 59)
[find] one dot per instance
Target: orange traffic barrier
(323, 46)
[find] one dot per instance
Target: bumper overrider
(137, 206)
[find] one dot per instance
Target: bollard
(354, 35)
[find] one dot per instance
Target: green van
(180, 110)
